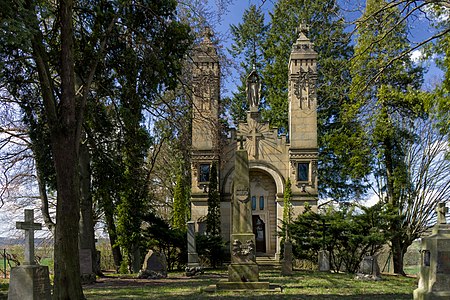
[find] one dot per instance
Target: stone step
(269, 261)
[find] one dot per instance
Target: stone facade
(272, 157)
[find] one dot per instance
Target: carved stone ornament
(246, 251)
(242, 194)
(305, 87)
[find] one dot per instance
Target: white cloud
(416, 55)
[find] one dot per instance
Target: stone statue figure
(253, 90)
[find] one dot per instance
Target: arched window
(261, 203)
(253, 202)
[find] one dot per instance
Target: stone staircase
(268, 262)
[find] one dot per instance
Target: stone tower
(205, 121)
(303, 115)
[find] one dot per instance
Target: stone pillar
(286, 264)
(434, 282)
(193, 265)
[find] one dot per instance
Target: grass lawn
(303, 285)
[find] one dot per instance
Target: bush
(159, 236)
(212, 249)
(348, 234)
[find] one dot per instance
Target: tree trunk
(397, 256)
(67, 281)
(117, 255)
(65, 146)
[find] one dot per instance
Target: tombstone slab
(155, 266)
(434, 276)
(369, 268)
(324, 261)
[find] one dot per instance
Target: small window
(253, 202)
(204, 173)
(302, 171)
(261, 203)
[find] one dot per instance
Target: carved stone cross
(29, 226)
(442, 210)
(255, 135)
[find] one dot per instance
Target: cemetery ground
(307, 285)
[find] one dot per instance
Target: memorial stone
(434, 275)
(324, 261)
(286, 264)
(243, 272)
(369, 268)
(155, 266)
(29, 281)
(193, 265)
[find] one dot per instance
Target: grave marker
(29, 281)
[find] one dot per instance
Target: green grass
(303, 285)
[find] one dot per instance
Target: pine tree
(248, 41)
(287, 206)
(213, 217)
(385, 103)
(180, 206)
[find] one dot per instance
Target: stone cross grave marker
(29, 226)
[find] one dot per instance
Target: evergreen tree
(180, 205)
(213, 217)
(287, 206)
(385, 102)
(248, 41)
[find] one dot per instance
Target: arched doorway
(262, 195)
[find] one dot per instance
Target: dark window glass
(302, 171)
(253, 202)
(204, 173)
(261, 202)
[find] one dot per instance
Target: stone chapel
(272, 157)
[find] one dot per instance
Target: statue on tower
(253, 90)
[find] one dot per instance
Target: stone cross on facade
(442, 210)
(255, 135)
(29, 226)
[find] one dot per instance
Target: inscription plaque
(426, 258)
(443, 262)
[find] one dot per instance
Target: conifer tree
(385, 102)
(180, 205)
(287, 206)
(248, 41)
(213, 217)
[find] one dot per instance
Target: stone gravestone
(86, 270)
(324, 260)
(193, 265)
(154, 267)
(434, 276)
(29, 281)
(286, 264)
(369, 269)
(243, 272)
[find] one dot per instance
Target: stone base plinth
(248, 272)
(29, 282)
(227, 285)
(420, 294)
